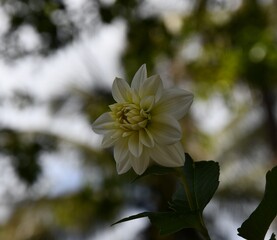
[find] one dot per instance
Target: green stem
(203, 230)
(186, 187)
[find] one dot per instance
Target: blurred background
(58, 59)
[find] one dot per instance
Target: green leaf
(200, 179)
(168, 222)
(256, 226)
(206, 182)
(171, 222)
(180, 202)
(133, 217)
(199, 183)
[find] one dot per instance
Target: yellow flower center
(130, 116)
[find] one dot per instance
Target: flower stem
(203, 230)
(186, 187)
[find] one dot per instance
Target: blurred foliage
(48, 18)
(215, 49)
(48, 218)
(24, 151)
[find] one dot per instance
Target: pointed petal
(169, 155)
(121, 91)
(123, 166)
(147, 103)
(139, 78)
(152, 86)
(103, 124)
(121, 150)
(135, 98)
(146, 138)
(110, 138)
(135, 145)
(175, 102)
(165, 129)
(140, 164)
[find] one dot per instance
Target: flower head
(143, 123)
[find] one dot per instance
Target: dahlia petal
(103, 124)
(135, 146)
(121, 91)
(165, 129)
(175, 102)
(147, 103)
(152, 86)
(139, 78)
(120, 150)
(108, 140)
(123, 166)
(146, 138)
(140, 164)
(169, 155)
(135, 98)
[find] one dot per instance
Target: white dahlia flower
(143, 124)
